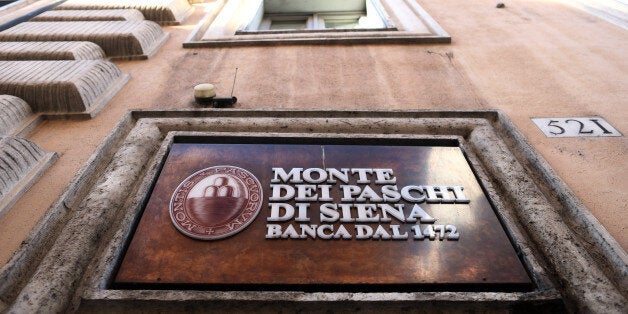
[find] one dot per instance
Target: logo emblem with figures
(216, 202)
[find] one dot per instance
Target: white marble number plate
(575, 127)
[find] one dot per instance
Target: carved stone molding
(164, 12)
(22, 163)
(79, 88)
(119, 39)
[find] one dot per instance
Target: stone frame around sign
(571, 258)
(101, 282)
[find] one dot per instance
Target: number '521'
(574, 127)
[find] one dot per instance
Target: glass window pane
(341, 23)
(288, 24)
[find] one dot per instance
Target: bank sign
(218, 202)
(355, 216)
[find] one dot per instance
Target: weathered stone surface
(50, 50)
(165, 12)
(121, 39)
(17, 156)
(569, 259)
(106, 197)
(13, 113)
(21, 162)
(61, 86)
(89, 15)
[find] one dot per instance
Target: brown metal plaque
(384, 216)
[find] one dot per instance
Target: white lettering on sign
(575, 127)
(374, 199)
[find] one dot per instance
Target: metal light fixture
(205, 95)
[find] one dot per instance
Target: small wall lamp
(205, 95)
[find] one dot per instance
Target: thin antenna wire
(234, 80)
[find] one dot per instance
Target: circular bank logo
(216, 202)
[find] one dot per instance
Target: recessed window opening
(320, 15)
(298, 22)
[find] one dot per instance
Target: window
(260, 22)
(287, 22)
(312, 16)
(343, 21)
(313, 21)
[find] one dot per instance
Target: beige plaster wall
(531, 59)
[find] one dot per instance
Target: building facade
(531, 93)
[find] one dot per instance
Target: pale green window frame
(372, 18)
(316, 21)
